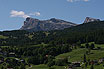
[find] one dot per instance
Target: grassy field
(3, 37)
(78, 54)
(42, 66)
(75, 55)
(97, 67)
(96, 45)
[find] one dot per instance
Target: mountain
(89, 19)
(33, 24)
(87, 32)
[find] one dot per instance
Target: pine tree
(92, 67)
(84, 58)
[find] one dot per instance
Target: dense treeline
(42, 55)
(84, 33)
(37, 54)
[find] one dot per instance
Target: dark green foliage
(92, 46)
(40, 55)
(61, 62)
(87, 45)
(92, 67)
(85, 58)
(2, 67)
(79, 43)
(51, 63)
(22, 66)
(34, 60)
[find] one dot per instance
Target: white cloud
(18, 14)
(86, 0)
(35, 14)
(22, 14)
(77, 0)
(70, 0)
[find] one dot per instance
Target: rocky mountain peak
(46, 25)
(89, 19)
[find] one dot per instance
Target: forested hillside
(88, 32)
(20, 49)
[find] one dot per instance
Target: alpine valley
(53, 44)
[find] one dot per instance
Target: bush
(82, 47)
(50, 63)
(92, 46)
(87, 45)
(33, 60)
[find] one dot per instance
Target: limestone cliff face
(45, 25)
(89, 19)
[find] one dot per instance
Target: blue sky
(14, 12)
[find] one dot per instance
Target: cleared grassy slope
(78, 54)
(42, 66)
(3, 37)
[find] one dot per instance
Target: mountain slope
(45, 25)
(89, 19)
(87, 32)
